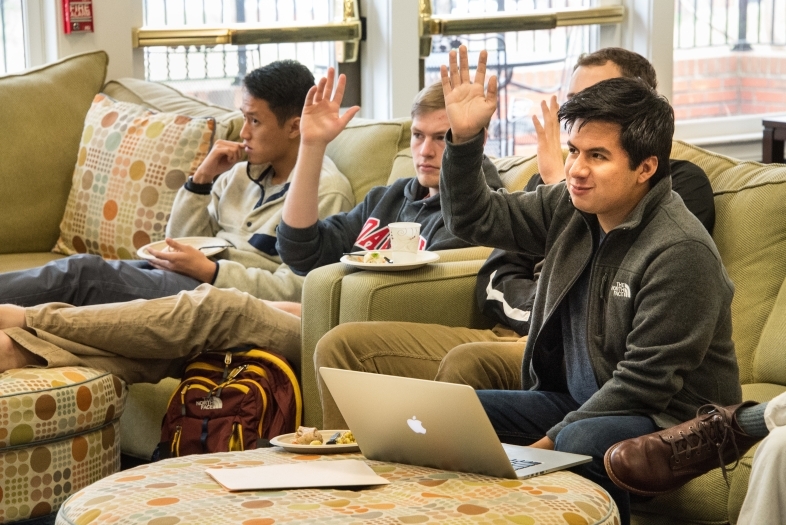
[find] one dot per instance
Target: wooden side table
(774, 137)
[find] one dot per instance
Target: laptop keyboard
(519, 464)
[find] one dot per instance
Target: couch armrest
(442, 293)
(464, 254)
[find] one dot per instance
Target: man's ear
(292, 127)
(647, 169)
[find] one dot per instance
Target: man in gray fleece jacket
(631, 326)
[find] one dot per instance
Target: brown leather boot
(663, 461)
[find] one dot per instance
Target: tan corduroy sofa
(43, 112)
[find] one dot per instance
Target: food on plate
(307, 436)
(312, 436)
(374, 258)
(341, 438)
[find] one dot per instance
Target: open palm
(468, 104)
(320, 121)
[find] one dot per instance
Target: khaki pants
(144, 341)
(483, 359)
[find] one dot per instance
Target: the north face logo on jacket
(620, 290)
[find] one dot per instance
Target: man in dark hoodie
(305, 243)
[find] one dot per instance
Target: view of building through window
(729, 58)
(12, 37)
(531, 65)
(214, 73)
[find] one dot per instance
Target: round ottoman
(178, 491)
(58, 433)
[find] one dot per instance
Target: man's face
(428, 143)
(586, 76)
(598, 173)
(264, 139)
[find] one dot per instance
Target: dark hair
(632, 65)
(646, 119)
(283, 84)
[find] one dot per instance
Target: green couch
(43, 110)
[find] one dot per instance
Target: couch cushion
(364, 152)
(750, 233)
(42, 111)
(770, 354)
(12, 262)
(164, 98)
(131, 163)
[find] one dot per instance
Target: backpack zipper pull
(227, 362)
(236, 371)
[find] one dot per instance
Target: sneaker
(664, 461)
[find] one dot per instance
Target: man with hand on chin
(631, 324)
(227, 197)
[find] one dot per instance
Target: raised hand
(468, 104)
(320, 122)
(551, 165)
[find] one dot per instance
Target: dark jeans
(82, 280)
(522, 417)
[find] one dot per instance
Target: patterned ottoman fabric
(178, 491)
(59, 432)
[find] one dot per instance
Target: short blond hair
(429, 99)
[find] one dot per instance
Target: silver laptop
(432, 424)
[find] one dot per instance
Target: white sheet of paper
(338, 473)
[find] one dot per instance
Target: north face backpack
(228, 401)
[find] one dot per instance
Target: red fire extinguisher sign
(78, 16)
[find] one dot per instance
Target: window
(12, 36)
(729, 58)
(531, 65)
(214, 73)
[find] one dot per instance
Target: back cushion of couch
(750, 232)
(42, 112)
(364, 152)
(163, 98)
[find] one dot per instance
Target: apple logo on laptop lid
(416, 425)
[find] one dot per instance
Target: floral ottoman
(58, 433)
(178, 491)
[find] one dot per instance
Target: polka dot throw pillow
(131, 163)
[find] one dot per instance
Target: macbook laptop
(432, 424)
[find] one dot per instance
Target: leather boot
(663, 461)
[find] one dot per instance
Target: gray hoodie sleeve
(516, 221)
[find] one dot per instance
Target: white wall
(113, 19)
(389, 58)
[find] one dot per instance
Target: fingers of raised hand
(320, 94)
(455, 80)
(480, 72)
(464, 64)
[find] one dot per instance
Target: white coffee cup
(404, 236)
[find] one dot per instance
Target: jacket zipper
(603, 299)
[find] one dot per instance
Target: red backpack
(229, 400)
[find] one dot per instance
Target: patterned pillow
(131, 163)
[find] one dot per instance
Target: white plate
(207, 245)
(400, 260)
(285, 441)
